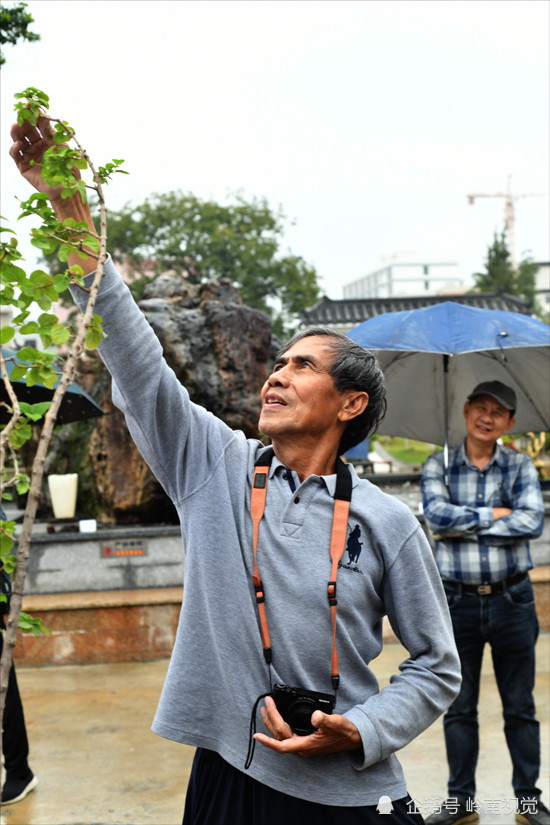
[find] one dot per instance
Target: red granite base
(108, 626)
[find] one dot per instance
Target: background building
(405, 277)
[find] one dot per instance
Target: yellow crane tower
(509, 213)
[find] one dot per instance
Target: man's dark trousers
(508, 622)
(14, 740)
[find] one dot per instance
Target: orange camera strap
(342, 498)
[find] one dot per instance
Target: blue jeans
(508, 622)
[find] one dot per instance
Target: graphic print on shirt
(353, 550)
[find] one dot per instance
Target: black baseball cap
(497, 390)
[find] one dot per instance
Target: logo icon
(384, 805)
(354, 545)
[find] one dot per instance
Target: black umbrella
(76, 404)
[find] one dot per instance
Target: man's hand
(501, 512)
(28, 148)
(29, 145)
(334, 733)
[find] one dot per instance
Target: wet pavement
(98, 763)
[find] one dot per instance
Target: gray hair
(353, 368)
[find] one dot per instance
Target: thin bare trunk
(24, 539)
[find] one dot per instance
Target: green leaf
(30, 94)
(30, 328)
(60, 334)
(39, 278)
(26, 114)
(61, 282)
(42, 300)
(9, 562)
(10, 273)
(33, 376)
(48, 377)
(64, 252)
(6, 540)
(6, 334)
(19, 319)
(18, 372)
(92, 243)
(20, 435)
(23, 483)
(28, 354)
(46, 338)
(7, 296)
(47, 245)
(92, 339)
(51, 292)
(31, 624)
(94, 333)
(35, 411)
(47, 320)
(37, 196)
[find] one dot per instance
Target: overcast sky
(368, 122)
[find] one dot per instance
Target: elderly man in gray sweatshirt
(291, 564)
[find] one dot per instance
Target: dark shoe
(532, 812)
(15, 790)
(453, 812)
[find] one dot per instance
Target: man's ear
(466, 408)
(511, 423)
(355, 403)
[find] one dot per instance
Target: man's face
(299, 398)
(486, 419)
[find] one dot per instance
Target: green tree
(204, 240)
(501, 276)
(14, 24)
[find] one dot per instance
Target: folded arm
(523, 519)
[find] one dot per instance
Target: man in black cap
(483, 511)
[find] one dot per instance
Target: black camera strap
(342, 498)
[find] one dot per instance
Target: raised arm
(28, 148)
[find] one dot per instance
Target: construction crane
(509, 213)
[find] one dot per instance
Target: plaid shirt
(469, 545)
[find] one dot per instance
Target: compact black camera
(296, 706)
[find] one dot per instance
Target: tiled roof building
(346, 314)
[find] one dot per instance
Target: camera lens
(299, 716)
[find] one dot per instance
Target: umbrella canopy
(434, 357)
(76, 404)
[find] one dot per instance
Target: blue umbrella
(434, 357)
(76, 404)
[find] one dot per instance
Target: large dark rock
(219, 349)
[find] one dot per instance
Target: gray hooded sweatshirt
(217, 668)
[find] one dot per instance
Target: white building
(403, 278)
